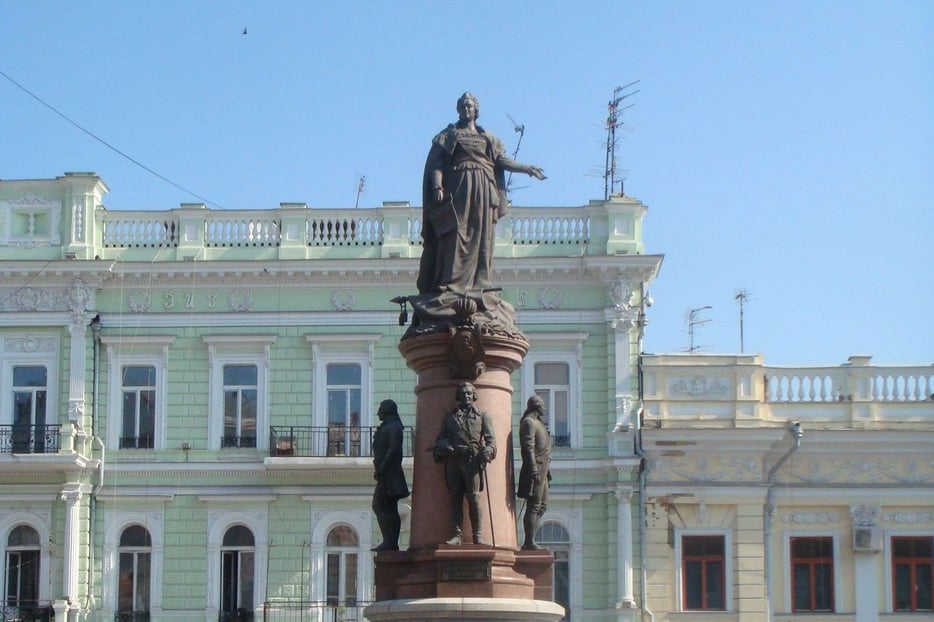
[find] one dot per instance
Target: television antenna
(520, 130)
(741, 296)
(361, 186)
(694, 320)
(612, 122)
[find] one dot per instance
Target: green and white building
(187, 398)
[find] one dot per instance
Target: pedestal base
(461, 571)
(465, 609)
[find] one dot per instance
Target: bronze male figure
(390, 478)
(535, 476)
(465, 445)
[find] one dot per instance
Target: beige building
(776, 493)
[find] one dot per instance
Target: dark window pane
(30, 376)
(903, 587)
(925, 590)
(238, 535)
(24, 535)
(801, 595)
(552, 373)
(342, 536)
(240, 375)
(343, 374)
(715, 596)
(823, 587)
(693, 585)
(139, 376)
(135, 535)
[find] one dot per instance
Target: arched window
(22, 568)
(237, 576)
(341, 565)
(554, 537)
(135, 579)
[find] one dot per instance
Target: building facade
(780, 494)
(187, 398)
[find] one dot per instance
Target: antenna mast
(693, 321)
(741, 296)
(520, 130)
(612, 122)
(361, 185)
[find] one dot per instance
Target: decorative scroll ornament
(699, 386)
(31, 299)
(811, 518)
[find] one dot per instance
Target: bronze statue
(390, 478)
(463, 195)
(535, 476)
(465, 445)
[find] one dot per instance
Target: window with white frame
(552, 371)
(341, 556)
(342, 394)
(134, 572)
(28, 375)
(23, 553)
(703, 571)
(30, 397)
(139, 407)
(238, 557)
(133, 556)
(240, 399)
(137, 369)
(554, 537)
(239, 390)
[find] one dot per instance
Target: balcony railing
(136, 442)
(336, 441)
(131, 616)
(726, 387)
(30, 439)
(240, 615)
(606, 226)
(26, 611)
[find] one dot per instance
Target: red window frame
(919, 562)
(812, 553)
(709, 552)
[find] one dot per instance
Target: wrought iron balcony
(137, 442)
(30, 439)
(131, 616)
(335, 441)
(26, 611)
(332, 610)
(241, 442)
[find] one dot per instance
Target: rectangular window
(139, 407)
(30, 395)
(22, 581)
(237, 581)
(240, 400)
(341, 581)
(703, 573)
(812, 574)
(344, 391)
(133, 587)
(912, 569)
(552, 383)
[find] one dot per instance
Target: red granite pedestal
(431, 572)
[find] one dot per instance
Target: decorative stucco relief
(811, 518)
(909, 518)
(240, 300)
(700, 386)
(344, 299)
(550, 298)
(865, 515)
(849, 470)
(29, 343)
(703, 469)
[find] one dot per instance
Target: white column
(624, 548)
(865, 577)
(72, 497)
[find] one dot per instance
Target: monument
(463, 344)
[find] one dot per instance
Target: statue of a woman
(464, 194)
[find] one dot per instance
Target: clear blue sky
(782, 147)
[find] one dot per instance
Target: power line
(105, 143)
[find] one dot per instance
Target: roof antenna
(693, 321)
(741, 297)
(520, 130)
(612, 122)
(361, 185)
